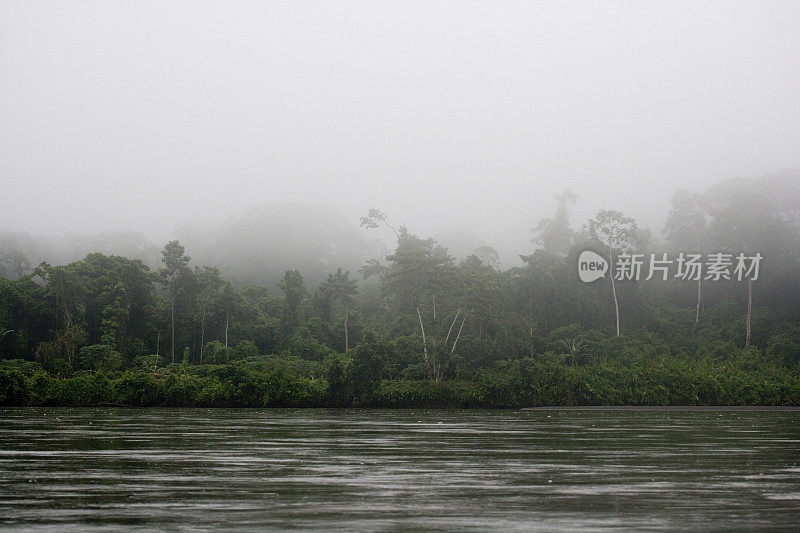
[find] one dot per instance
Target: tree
(208, 285)
(294, 290)
(418, 270)
(437, 355)
(229, 300)
(479, 294)
(419, 273)
(339, 386)
(100, 357)
(175, 265)
(64, 289)
(376, 218)
(6, 338)
(573, 348)
(341, 288)
(14, 262)
(687, 223)
(70, 339)
(365, 369)
(617, 232)
(115, 315)
(751, 217)
(488, 256)
(554, 235)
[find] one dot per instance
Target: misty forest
(357, 265)
(414, 326)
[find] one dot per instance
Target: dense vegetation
(419, 329)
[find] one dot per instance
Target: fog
(449, 116)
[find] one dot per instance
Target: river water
(588, 469)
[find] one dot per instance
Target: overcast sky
(447, 115)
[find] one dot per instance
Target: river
(588, 469)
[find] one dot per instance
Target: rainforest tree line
(419, 328)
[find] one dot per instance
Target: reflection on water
(544, 469)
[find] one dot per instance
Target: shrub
(216, 353)
(100, 357)
(244, 349)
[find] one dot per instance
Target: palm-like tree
(573, 348)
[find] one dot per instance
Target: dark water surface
(79, 469)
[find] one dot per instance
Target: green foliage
(365, 369)
(101, 357)
(294, 290)
(307, 348)
(244, 349)
(339, 386)
(747, 379)
(13, 389)
(422, 330)
(148, 362)
(217, 353)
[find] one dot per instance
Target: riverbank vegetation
(746, 379)
(418, 328)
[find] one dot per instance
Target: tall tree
(229, 300)
(488, 256)
(421, 273)
(686, 225)
(115, 315)
(554, 235)
(294, 290)
(65, 290)
(208, 285)
(617, 232)
(376, 218)
(341, 289)
(751, 217)
(175, 265)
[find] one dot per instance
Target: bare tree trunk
(453, 349)
(227, 316)
(458, 336)
(699, 283)
(424, 341)
(749, 310)
(346, 336)
(68, 352)
(699, 297)
(202, 334)
(531, 340)
(173, 318)
(613, 285)
(158, 341)
(451, 327)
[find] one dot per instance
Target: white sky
(448, 115)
